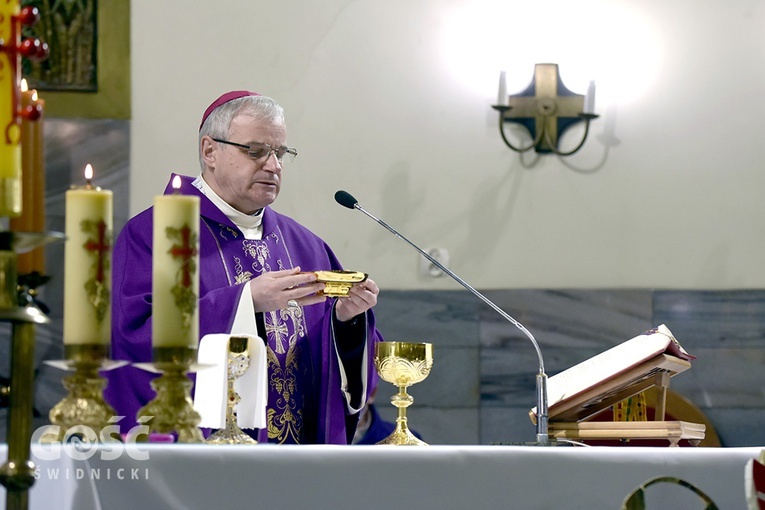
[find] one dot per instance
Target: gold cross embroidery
(278, 330)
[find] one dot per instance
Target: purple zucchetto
(225, 98)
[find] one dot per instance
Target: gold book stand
(568, 418)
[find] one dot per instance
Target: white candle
(502, 93)
(589, 99)
(87, 265)
(175, 270)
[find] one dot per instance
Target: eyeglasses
(263, 151)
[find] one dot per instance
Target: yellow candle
(32, 217)
(175, 275)
(10, 128)
(87, 265)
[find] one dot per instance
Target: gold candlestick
(238, 361)
(84, 406)
(172, 409)
(403, 364)
(17, 474)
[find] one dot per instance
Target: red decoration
(29, 15)
(100, 247)
(32, 112)
(33, 49)
(185, 252)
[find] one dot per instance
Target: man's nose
(272, 163)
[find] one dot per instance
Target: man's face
(245, 183)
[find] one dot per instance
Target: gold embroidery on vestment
(258, 251)
(285, 419)
(224, 229)
(278, 331)
(242, 276)
(285, 415)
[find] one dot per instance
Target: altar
(174, 476)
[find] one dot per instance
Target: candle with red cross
(12, 48)
(87, 264)
(10, 127)
(175, 275)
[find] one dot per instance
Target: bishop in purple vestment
(253, 261)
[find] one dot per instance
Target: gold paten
(172, 409)
(239, 357)
(338, 283)
(403, 364)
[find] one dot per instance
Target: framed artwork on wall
(87, 72)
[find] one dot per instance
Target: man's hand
(361, 298)
(271, 291)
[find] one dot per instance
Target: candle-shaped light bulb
(589, 99)
(502, 93)
(23, 85)
(34, 95)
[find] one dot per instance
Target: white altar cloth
(178, 476)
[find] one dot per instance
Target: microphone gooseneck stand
(347, 200)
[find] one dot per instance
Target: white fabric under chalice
(211, 387)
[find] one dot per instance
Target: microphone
(347, 200)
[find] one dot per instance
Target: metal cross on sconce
(546, 108)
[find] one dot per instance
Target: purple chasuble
(305, 402)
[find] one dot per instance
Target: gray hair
(218, 123)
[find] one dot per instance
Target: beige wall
(391, 101)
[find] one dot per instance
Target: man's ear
(207, 150)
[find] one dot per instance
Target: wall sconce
(546, 109)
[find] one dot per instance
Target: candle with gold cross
(87, 264)
(175, 276)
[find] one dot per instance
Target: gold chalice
(403, 364)
(238, 364)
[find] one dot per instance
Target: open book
(613, 371)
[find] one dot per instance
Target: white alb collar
(250, 224)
